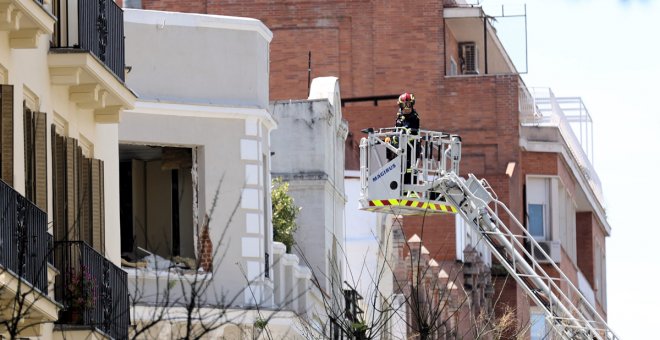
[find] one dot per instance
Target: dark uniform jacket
(410, 121)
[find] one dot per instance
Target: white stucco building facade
(195, 171)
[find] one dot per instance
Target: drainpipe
(485, 44)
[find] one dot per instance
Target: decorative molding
(26, 20)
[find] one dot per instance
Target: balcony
(25, 20)
(547, 118)
(94, 293)
(24, 270)
(564, 126)
(87, 54)
(473, 47)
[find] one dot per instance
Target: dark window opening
(156, 203)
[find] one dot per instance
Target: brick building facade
(383, 48)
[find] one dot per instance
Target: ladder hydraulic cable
(384, 185)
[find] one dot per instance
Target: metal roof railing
(540, 107)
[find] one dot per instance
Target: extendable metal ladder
(433, 158)
(566, 308)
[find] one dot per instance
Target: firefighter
(408, 118)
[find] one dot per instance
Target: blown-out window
(156, 202)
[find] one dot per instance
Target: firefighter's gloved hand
(387, 140)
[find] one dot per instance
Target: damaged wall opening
(156, 201)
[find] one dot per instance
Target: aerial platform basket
(411, 174)
(398, 169)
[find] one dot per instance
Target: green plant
(81, 289)
(260, 323)
(284, 213)
(359, 330)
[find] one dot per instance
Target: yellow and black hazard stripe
(414, 204)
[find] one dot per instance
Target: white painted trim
(302, 272)
(37, 14)
(149, 274)
(462, 12)
(203, 111)
(289, 259)
(278, 248)
(161, 19)
(97, 71)
(352, 174)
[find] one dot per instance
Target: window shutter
(98, 239)
(80, 197)
(85, 200)
(7, 133)
(71, 189)
(28, 151)
(59, 184)
(40, 161)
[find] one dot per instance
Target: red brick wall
(585, 239)
(451, 49)
(540, 163)
(566, 176)
(599, 236)
(508, 296)
(197, 6)
(588, 232)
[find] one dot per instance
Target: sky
(607, 52)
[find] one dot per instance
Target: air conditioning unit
(552, 248)
(469, 57)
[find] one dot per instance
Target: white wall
(204, 85)
(194, 58)
(309, 154)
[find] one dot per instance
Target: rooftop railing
(92, 289)
(96, 26)
(23, 238)
(540, 107)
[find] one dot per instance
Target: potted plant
(359, 330)
(80, 292)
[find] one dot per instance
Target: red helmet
(406, 100)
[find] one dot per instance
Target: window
(600, 272)
(538, 327)
(453, 67)
(566, 221)
(156, 202)
(536, 217)
(538, 207)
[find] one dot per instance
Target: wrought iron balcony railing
(92, 289)
(96, 26)
(23, 238)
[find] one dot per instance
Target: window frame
(545, 202)
(536, 316)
